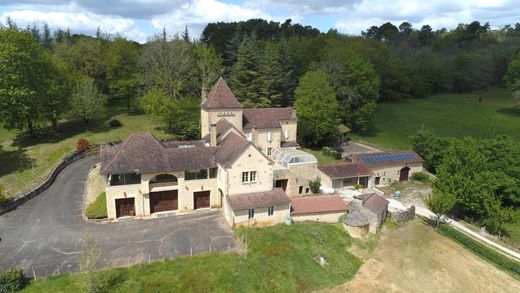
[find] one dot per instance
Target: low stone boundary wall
(27, 195)
(406, 215)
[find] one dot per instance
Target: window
(270, 211)
(287, 134)
(163, 178)
(213, 172)
(251, 214)
(269, 136)
(124, 179)
(196, 174)
(300, 190)
(307, 190)
(249, 176)
(269, 151)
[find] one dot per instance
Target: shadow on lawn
(13, 161)
(512, 111)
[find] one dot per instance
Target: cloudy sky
(140, 19)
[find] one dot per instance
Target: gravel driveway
(46, 234)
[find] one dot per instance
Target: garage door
(201, 199)
(125, 207)
(164, 201)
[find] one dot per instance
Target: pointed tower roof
(221, 97)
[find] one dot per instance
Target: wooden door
(201, 199)
(164, 201)
(125, 207)
(403, 174)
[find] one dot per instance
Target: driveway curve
(44, 236)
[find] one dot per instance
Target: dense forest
(58, 75)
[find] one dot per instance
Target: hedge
(482, 250)
(11, 280)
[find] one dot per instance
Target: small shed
(320, 208)
(366, 214)
(345, 174)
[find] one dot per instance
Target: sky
(140, 19)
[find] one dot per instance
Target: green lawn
(98, 208)
(322, 159)
(21, 156)
(455, 115)
(278, 259)
(513, 234)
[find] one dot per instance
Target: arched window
(163, 178)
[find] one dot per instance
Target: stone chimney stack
(293, 113)
(213, 135)
(254, 135)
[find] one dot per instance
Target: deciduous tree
(440, 203)
(86, 101)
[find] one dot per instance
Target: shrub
(315, 186)
(3, 196)
(358, 186)
(330, 152)
(482, 250)
(114, 123)
(420, 176)
(83, 145)
(11, 280)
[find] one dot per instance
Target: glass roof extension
(287, 157)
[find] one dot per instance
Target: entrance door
(377, 180)
(201, 199)
(281, 184)
(403, 174)
(125, 207)
(164, 201)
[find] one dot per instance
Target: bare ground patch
(95, 184)
(414, 258)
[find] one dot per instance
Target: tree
(512, 77)
(58, 87)
(209, 66)
(317, 110)
(244, 75)
(46, 37)
(22, 90)
(500, 215)
(272, 78)
(186, 34)
(440, 203)
(86, 101)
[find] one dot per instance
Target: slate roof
(263, 118)
(383, 159)
(221, 97)
(374, 203)
(223, 125)
(317, 204)
(142, 153)
(273, 197)
(230, 147)
(181, 144)
(345, 170)
(357, 216)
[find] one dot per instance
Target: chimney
(254, 135)
(293, 113)
(213, 135)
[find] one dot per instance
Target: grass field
(98, 208)
(26, 161)
(322, 159)
(414, 258)
(278, 259)
(455, 115)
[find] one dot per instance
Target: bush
(482, 250)
(315, 186)
(420, 176)
(3, 196)
(114, 123)
(11, 280)
(98, 208)
(330, 152)
(358, 186)
(83, 145)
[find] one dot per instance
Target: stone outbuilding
(366, 214)
(345, 174)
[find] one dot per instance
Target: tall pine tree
(245, 72)
(271, 78)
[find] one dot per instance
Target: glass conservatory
(287, 157)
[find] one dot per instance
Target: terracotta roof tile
(317, 204)
(221, 97)
(273, 197)
(266, 117)
(142, 153)
(230, 147)
(345, 170)
(375, 203)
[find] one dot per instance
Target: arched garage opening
(403, 174)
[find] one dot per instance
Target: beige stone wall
(250, 160)
(262, 142)
(319, 217)
(325, 179)
(289, 130)
(124, 191)
(390, 174)
(358, 232)
(261, 218)
(298, 175)
(210, 116)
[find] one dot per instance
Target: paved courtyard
(46, 234)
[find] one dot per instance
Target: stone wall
(406, 215)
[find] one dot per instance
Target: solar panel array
(387, 157)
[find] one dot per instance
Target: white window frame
(248, 176)
(251, 213)
(270, 211)
(286, 133)
(245, 177)
(269, 151)
(269, 136)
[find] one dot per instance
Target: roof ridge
(119, 151)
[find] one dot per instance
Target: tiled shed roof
(273, 197)
(317, 204)
(345, 170)
(375, 203)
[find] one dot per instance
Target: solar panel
(387, 157)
